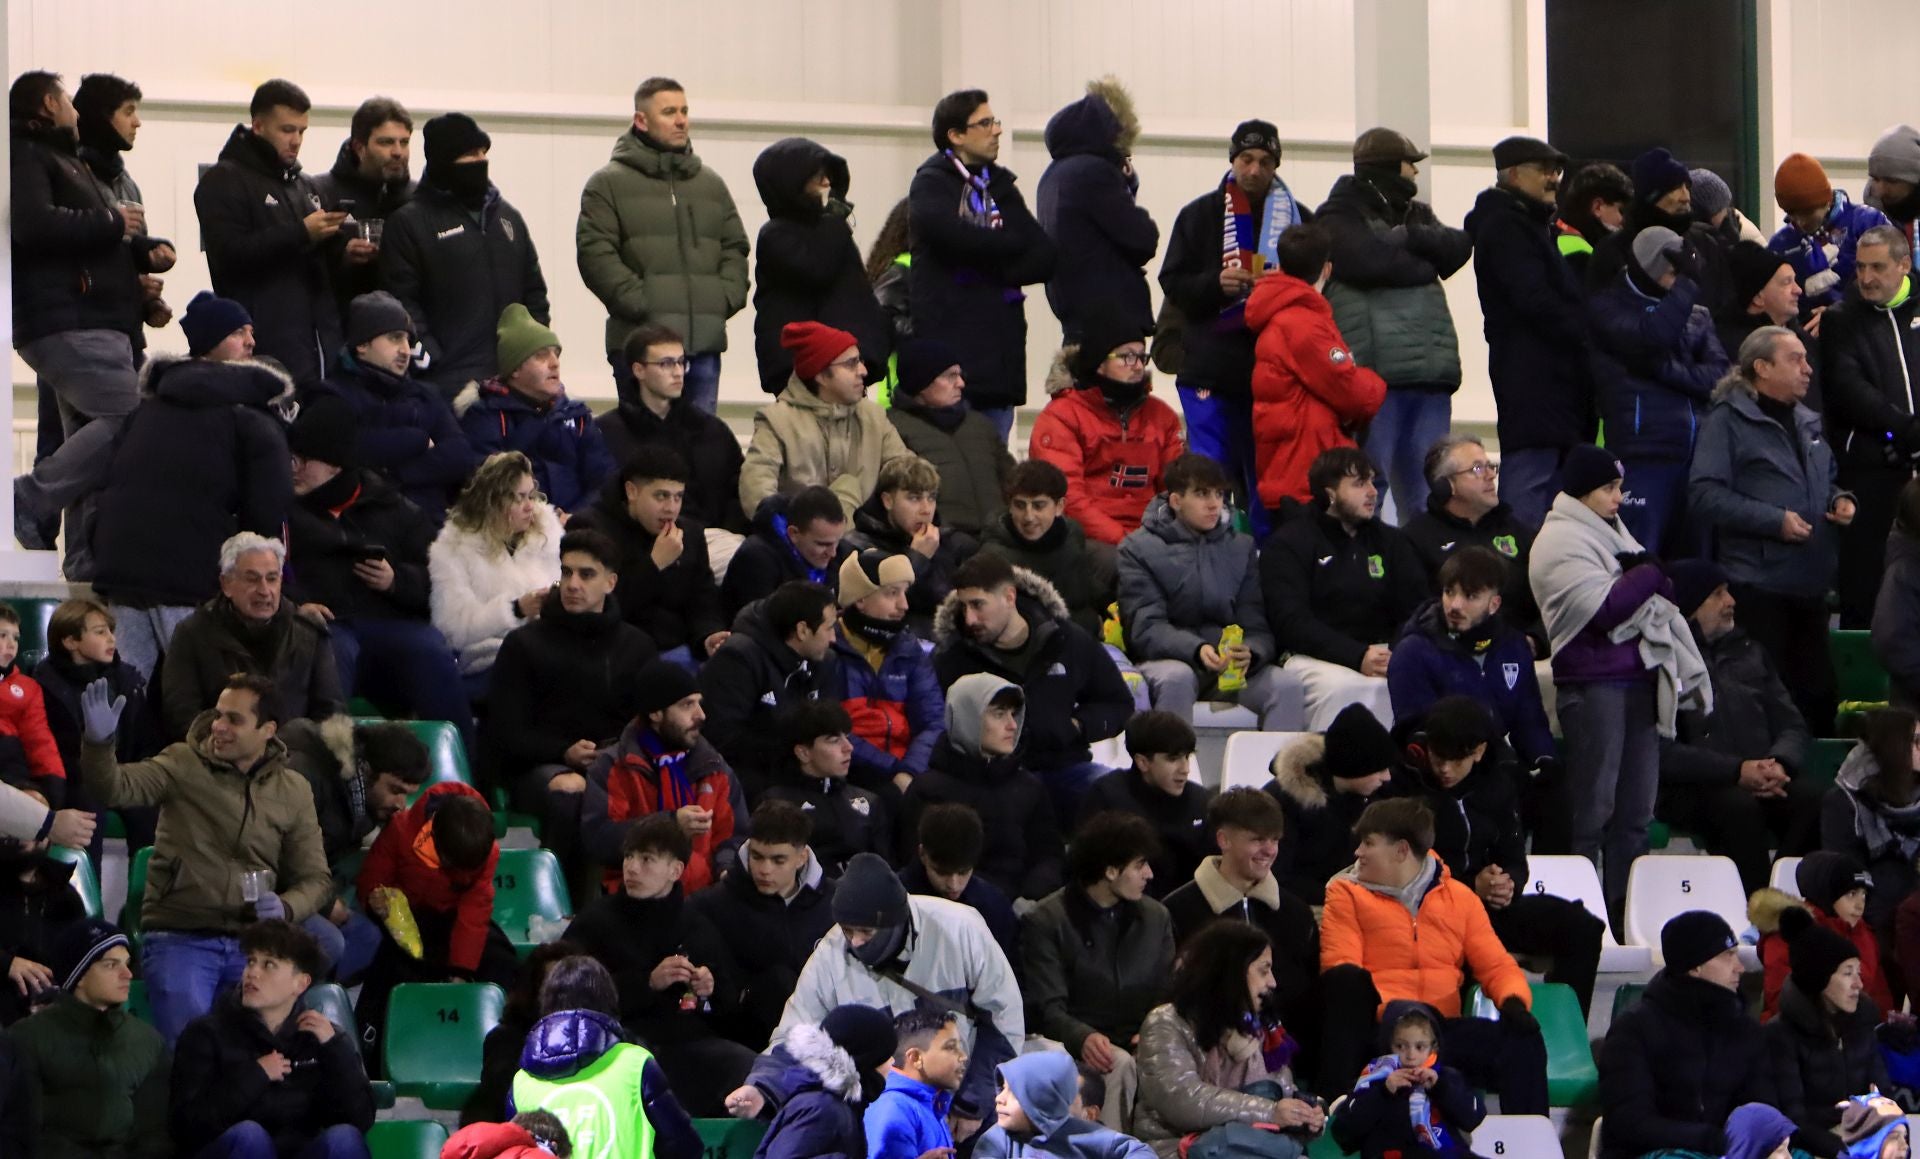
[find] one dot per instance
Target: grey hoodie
(967, 703)
(1410, 894)
(1046, 1082)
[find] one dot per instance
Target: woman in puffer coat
(1822, 1045)
(1202, 1053)
(494, 562)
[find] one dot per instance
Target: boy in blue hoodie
(1406, 1103)
(1036, 1112)
(909, 1119)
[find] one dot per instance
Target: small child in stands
(531, 1135)
(1038, 1112)
(1093, 1094)
(23, 715)
(1833, 888)
(1408, 1103)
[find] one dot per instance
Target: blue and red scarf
(1239, 241)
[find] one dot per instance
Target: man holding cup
(370, 181)
(238, 840)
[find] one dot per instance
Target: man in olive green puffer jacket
(659, 240)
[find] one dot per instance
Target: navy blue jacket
(1656, 360)
(1493, 666)
(1535, 322)
(983, 897)
(1085, 202)
(404, 430)
(570, 459)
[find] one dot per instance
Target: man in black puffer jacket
(658, 415)
(458, 255)
(370, 181)
(1086, 204)
(806, 266)
(357, 552)
(1675, 1065)
(267, 236)
(779, 653)
(204, 457)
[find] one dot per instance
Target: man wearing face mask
(896, 952)
(1390, 254)
(885, 679)
(1893, 178)
(459, 255)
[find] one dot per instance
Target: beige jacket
(801, 441)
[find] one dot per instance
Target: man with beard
(1535, 320)
(370, 183)
(1893, 177)
(459, 255)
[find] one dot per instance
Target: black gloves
(1632, 559)
(1685, 259)
(1515, 1015)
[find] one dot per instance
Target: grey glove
(99, 716)
(269, 908)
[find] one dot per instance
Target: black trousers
(1539, 923)
(1546, 811)
(1492, 1055)
(1793, 630)
(703, 1068)
(1735, 824)
(1863, 543)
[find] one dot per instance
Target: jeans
(404, 664)
(348, 948)
(702, 390)
(184, 973)
(1001, 417)
(1275, 693)
(141, 635)
(1528, 481)
(249, 1140)
(1409, 422)
(1220, 426)
(1613, 772)
(91, 373)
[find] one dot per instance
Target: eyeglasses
(1480, 470)
(848, 363)
(679, 364)
(1131, 358)
(984, 123)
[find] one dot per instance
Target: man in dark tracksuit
(458, 255)
(267, 235)
(1870, 370)
(1207, 274)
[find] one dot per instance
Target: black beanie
(1825, 877)
(1693, 939)
(451, 136)
(79, 946)
(1589, 468)
(869, 895)
(921, 361)
(1693, 581)
(1814, 952)
(1358, 745)
(1254, 134)
(661, 684)
(1101, 332)
(324, 431)
(864, 1032)
(1750, 266)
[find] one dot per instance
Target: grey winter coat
(1173, 1099)
(1748, 472)
(1179, 588)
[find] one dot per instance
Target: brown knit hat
(1800, 184)
(866, 572)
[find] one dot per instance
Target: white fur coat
(474, 590)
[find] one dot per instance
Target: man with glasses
(975, 244)
(659, 240)
(822, 430)
(1465, 509)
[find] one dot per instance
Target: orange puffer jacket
(1424, 961)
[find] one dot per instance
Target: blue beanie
(1657, 172)
(209, 320)
(921, 361)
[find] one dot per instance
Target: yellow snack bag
(399, 920)
(1233, 677)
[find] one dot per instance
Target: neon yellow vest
(600, 1104)
(1573, 243)
(883, 394)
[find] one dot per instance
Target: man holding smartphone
(357, 557)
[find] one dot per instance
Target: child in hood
(840, 1062)
(1873, 1127)
(1406, 1103)
(1038, 1112)
(1758, 1131)
(1833, 888)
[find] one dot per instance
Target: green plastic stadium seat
(505, 818)
(34, 614)
(1572, 1077)
(1625, 997)
(1324, 1147)
(330, 1000)
(84, 881)
(406, 1139)
(528, 882)
(136, 892)
(729, 1138)
(1858, 669)
(433, 1039)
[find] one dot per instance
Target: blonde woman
(494, 562)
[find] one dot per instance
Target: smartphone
(367, 552)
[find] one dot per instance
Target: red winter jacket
(1307, 390)
(492, 1141)
(404, 856)
(1773, 956)
(623, 786)
(23, 714)
(1113, 466)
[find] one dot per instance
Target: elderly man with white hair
(249, 628)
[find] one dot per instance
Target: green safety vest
(883, 394)
(1573, 243)
(601, 1104)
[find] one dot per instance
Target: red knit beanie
(1800, 184)
(814, 346)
